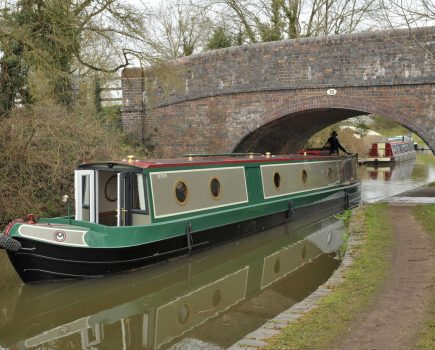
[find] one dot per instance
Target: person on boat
(334, 144)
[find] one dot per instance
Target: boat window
(330, 173)
(183, 313)
(277, 180)
(85, 190)
(217, 298)
(181, 192)
(304, 177)
(139, 202)
(111, 189)
(215, 188)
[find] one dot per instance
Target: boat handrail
(207, 155)
(399, 138)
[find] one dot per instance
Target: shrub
(39, 148)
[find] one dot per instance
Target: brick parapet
(352, 60)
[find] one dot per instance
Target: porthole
(304, 177)
(330, 173)
(215, 188)
(183, 313)
(277, 266)
(181, 192)
(277, 180)
(217, 298)
(110, 189)
(304, 251)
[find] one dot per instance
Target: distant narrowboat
(133, 213)
(395, 149)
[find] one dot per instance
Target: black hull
(39, 261)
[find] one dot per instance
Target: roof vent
(130, 158)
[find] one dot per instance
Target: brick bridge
(274, 96)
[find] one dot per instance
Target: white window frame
(93, 194)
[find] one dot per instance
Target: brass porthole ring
(215, 188)
(277, 180)
(304, 177)
(183, 313)
(181, 192)
(110, 189)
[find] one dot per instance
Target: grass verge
(426, 215)
(320, 328)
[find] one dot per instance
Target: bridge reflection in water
(208, 300)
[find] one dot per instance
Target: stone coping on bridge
(335, 38)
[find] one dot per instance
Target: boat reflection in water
(204, 301)
(379, 182)
(391, 171)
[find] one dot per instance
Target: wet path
(399, 311)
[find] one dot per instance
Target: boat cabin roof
(397, 139)
(199, 160)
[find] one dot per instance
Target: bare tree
(175, 29)
(263, 20)
(410, 14)
(407, 13)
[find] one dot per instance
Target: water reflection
(383, 181)
(391, 172)
(209, 300)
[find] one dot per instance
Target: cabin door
(124, 199)
(85, 195)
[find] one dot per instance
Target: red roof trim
(184, 162)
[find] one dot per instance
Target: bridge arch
(288, 126)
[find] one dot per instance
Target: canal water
(207, 300)
(380, 182)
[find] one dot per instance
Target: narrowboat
(169, 304)
(394, 149)
(131, 213)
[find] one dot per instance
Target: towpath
(402, 306)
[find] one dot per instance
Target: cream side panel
(232, 190)
(86, 216)
(319, 174)
(381, 149)
(54, 234)
(140, 219)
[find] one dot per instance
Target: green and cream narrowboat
(132, 213)
(161, 306)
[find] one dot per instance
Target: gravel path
(400, 309)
